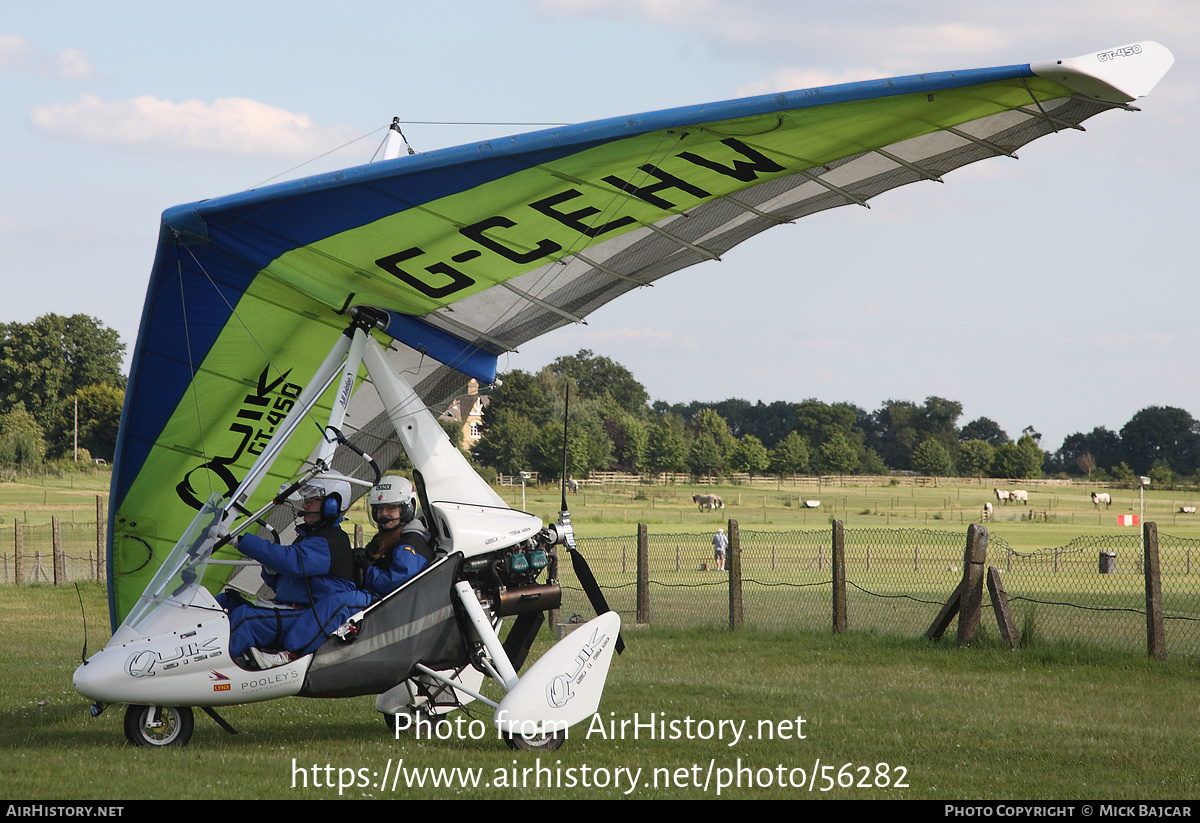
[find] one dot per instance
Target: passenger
(401, 547)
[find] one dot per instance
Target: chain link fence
(1091, 590)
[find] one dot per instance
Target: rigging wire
(408, 122)
(318, 157)
(191, 365)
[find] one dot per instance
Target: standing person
(313, 581)
(720, 544)
(401, 548)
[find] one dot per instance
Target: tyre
(174, 727)
(536, 742)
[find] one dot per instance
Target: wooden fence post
(643, 574)
(101, 532)
(19, 547)
(974, 558)
(1000, 607)
(839, 577)
(57, 562)
(1156, 644)
(733, 564)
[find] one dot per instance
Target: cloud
(231, 125)
(19, 56)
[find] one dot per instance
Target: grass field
(1056, 722)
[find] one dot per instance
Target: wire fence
(1090, 591)
(58, 552)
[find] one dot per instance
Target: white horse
(1019, 496)
(709, 501)
(1001, 495)
(1101, 498)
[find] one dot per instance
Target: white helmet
(393, 491)
(333, 494)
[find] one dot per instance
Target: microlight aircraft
(293, 330)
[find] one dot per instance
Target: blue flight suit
(316, 575)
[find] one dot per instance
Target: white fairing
(1117, 75)
(476, 530)
(447, 474)
(564, 686)
(183, 661)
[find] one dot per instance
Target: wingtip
(1116, 75)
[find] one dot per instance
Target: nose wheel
(535, 742)
(159, 725)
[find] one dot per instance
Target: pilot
(313, 581)
(401, 548)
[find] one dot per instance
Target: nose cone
(98, 677)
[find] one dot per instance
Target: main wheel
(173, 728)
(535, 742)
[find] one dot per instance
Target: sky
(1049, 291)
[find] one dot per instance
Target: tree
(869, 462)
(587, 448)
(666, 449)
(818, 422)
(99, 409)
(1019, 460)
(931, 458)
(45, 361)
(1006, 462)
(507, 444)
(750, 456)
(975, 458)
(705, 457)
(707, 421)
(790, 456)
(896, 432)
(596, 375)
(837, 455)
(1086, 464)
(1161, 475)
(938, 420)
(520, 394)
(629, 438)
(1161, 433)
(985, 429)
(1102, 445)
(22, 447)
(1123, 475)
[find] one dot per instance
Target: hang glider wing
(477, 249)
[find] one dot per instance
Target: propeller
(566, 535)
